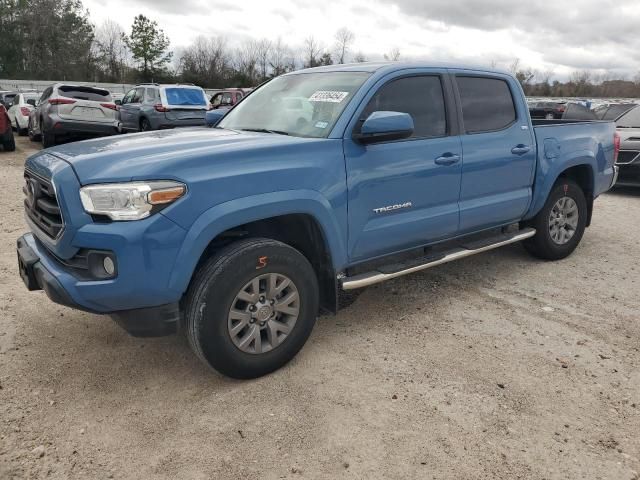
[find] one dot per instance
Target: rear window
(185, 96)
(615, 111)
(631, 119)
(85, 93)
(487, 104)
(576, 111)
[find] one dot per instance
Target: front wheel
(251, 307)
(561, 222)
(9, 144)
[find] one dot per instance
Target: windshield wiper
(264, 130)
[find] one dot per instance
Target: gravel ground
(498, 366)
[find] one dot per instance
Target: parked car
(72, 111)
(6, 132)
(153, 106)
(612, 111)
(21, 108)
(244, 232)
(578, 111)
(117, 98)
(227, 98)
(547, 110)
(6, 97)
(629, 159)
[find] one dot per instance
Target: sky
(553, 36)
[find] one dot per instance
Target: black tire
(145, 125)
(9, 144)
(22, 131)
(213, 292)
(542, 245)
(48, 138)
(32, 135)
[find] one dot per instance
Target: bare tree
(205, 62)
(344, 39)
(311, 52)
(111, 51)
(246, 62)
(280, 59)
(263, 52)
(359, 58)
(393, 55)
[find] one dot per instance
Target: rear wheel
(251, 307)
(48, 138)
(145, 125)
(561, 222)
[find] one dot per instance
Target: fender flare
(244, 210)
(548, 173)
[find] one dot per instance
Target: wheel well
(299, 231)
(583, 176)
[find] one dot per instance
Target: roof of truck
(393, 66)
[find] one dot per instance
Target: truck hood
(147, 155)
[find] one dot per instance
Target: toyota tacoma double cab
(241, 235)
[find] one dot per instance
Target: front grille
(41, 204)
(627, 156)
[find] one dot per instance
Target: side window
(226, 98)
(150, 95)
(420, 96)
(487, 104)
(216, 99)
(128, 98)
(137, 98)
(45, 95)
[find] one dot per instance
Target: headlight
(130, 201)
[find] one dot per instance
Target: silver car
(152, 106)
(72, 111)
(628, 127)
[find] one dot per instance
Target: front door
(404, 193)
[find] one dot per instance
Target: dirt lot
(499, 367)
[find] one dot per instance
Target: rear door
(404, 193)
(499, 153)
(130, 109)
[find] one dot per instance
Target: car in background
(6, 132)
(547, 110)
(23, 105)
(628, 128)
(612, 111)
(153, 106)
(6, 97)
(228, 98)
(72, 111)
(578, 111)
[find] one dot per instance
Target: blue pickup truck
(320, 181)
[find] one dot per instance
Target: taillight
(616, 147)
(561, 109)
(110, 106)
(25, 111)
(160, 108)
(61, 101)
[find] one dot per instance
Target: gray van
(152, 106)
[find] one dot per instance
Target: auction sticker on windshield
(328, 96)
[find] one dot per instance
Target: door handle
(520, 149)
(447, 159)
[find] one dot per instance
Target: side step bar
(383, 274)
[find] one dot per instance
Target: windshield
(631, 119)
(186, 96)
(303, 105)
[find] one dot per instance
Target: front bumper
(39, 270)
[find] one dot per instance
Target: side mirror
(118, 102)
(384, 127)
(213, 117)
(31, 102)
